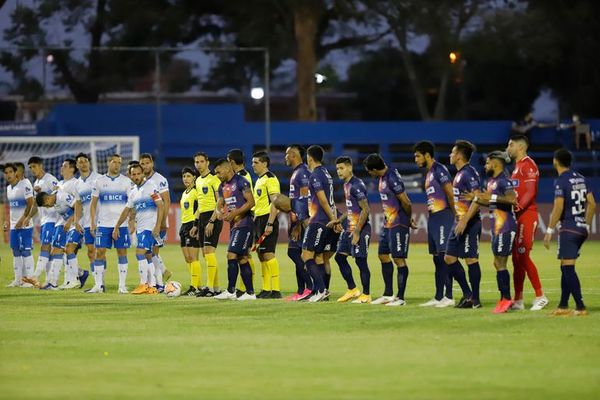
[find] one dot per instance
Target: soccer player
(109, 197)
(354, 240)
(463, 241)
(525, 179)
(296, 205)
(394, 238)
(440, 205)
(147, 163)
(237, 160)
(207, 229)
(146, 202)
(236, 199)
(20, 201)
(574, 207)
(44, 182)
(190, 245)
(265, 191)
(321, 209)
(500, 197)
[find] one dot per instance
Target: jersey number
(579, 197)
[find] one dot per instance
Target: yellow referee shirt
(266, 185)
(207, 188)
(189, 205)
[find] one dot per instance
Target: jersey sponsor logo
(163, 184)
(430, 190)
(383, 196)
(383, 184)
(113, 197)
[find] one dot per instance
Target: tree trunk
(306, 20)
(416, 85)
(440, 104)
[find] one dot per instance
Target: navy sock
(564, 289)
(402, 278)
(365, 274)
(387, 270)
(458, 273)
(295, 255)
(326, 275)
(503, 279)
(441, 275)
(246, 273)
(574, 286)
(475, 279)
(232, 272)
(345, 269)
(316, 275)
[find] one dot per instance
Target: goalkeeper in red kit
(525, 179)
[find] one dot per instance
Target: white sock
(40, 267)
(122, 274)
(72, 268)
(151, 273)
(28, 265)
(143, 269)
(18, 268)
(162, 265)
(99, 269)
(157, 271)
(55, 270)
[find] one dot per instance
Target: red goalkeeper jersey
(525, 178)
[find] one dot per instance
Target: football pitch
(76, 345)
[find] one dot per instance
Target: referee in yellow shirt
(266, 190)
(208, 229)
(189, 243)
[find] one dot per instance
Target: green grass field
(75, 345)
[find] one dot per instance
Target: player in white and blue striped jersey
(20, 201)
(109, 198)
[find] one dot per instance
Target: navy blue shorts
(21, 239)
(502, 243)
(467, 244)
(394, 241)
(74, 237)
(439, 226)
(47, 233)
(569, 244)
(59, 238)
(104, 238)
(345, 246)
(315, 238)
(331, 241)
(240, 240)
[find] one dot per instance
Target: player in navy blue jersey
(574, 207)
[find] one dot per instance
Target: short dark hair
(424, 147)
(130, 167)
(201, 154)
(82, 155)
(564, 157)
(262, 156)
(72, 163)
(9, 165)
(301, 150)
(499, 155)
(19, 164)
(520, 138)
(133, 162)
(236, 155)
(147, 156)
(220, 162)
(343, 160)
(374, 161)
(114, 155)
(189, 170)
(465, 148)
(316, 152)
(36, 160)
(40, 197)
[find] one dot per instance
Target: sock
(532, 274)
(315, 274)
(458, 273)
(564, 289)
(402, 279)
(142, 268)
(246, 273)
(212, 271)
(266, 276)
(295, 255)
(342, 261)
(518, 275)
(273, 266)
(42, 262)
(387, 270)
(253, 268)
(195, 274)
(475, 279)
(18, 265)
(574, 285)
(57, 262)
(365, 274)
(71, 268)
(448, 284)
(157, 272)
(441, 276)
(503, 279)
(27, 263)
(326, 275)
(123, 266)
(161, 266)
(99, 269)
(152, 272)
(232, 271)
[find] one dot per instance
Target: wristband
(549, 231)
(269, 224)
(210, 221)
(493, 198)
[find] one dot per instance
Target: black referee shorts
(187, 240)
(213, 239)
(270, 243)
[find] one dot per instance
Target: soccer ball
(173, 289)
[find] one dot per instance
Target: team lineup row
(101, 211)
